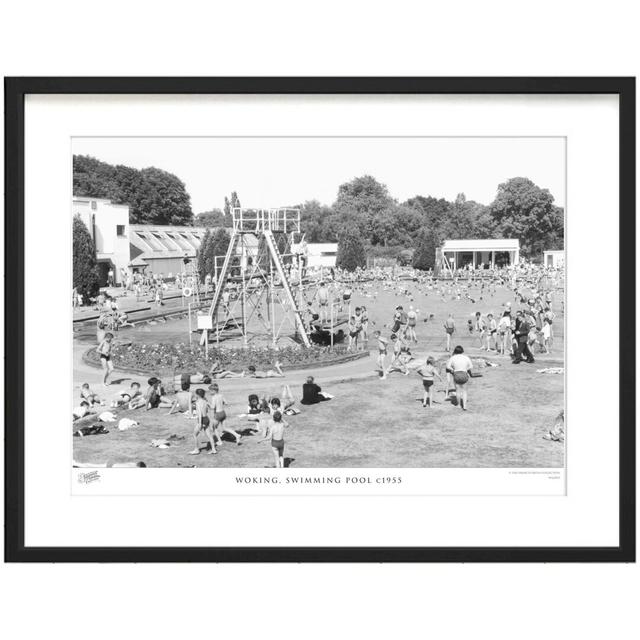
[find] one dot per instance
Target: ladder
(224, 274)
(275, 255)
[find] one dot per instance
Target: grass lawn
(375, 423)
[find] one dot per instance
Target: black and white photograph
(322, 302)
(367, 316)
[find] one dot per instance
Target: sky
(276, 172)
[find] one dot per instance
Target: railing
(256, 220)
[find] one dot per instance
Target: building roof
(490, 244)
(164, 241)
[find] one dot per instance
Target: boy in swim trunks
(203, 423)
(382, 352)
(364, 322)
(275, 430)
(218, 403)
(412, 319)
(492, 329)
(546, 334)
(399, 355)
(449, 327)
(427, 372)
(354, 332)
(481, 328)
(104, 351)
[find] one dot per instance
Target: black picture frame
(15, 91)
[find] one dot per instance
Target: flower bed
(184, 357)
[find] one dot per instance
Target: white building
(123, 247)
(553, 258)
(108, 225)
(498, 252)
(322, 254)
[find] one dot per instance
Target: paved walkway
(360, 369)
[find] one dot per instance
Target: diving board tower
(259, 283)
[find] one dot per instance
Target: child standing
(382, 352)
(203, 423)
(504, 329)
(354, 331)
(449, 327)
(427, 372)
(275, 429)
(412, 319)
(492, 329)
(220, 415)
(546, 335)
(104, 351)
(481, 328)
(364, 319)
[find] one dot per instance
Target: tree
(555, 240)
(359, 202)
(314, 222)
(213, 218)
(85, 267)
(424, 257)
(523, 210)
(351, 251)
(154, 196)
(434, 212)
(219, 243)
(214, 243)
(203, 257)
(162, 199)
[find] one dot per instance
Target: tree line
(364, 213)
(364, 219)
(154, 196)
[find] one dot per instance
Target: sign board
(205, 322)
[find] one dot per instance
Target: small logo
(88, 477)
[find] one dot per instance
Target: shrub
(85, 266)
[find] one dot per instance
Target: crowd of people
(518, 327)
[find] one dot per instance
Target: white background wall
(335, 38)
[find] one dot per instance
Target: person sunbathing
(131, 398)
(218, 371)
(276, 372)
(86, 393)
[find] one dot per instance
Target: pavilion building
(488, 253)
